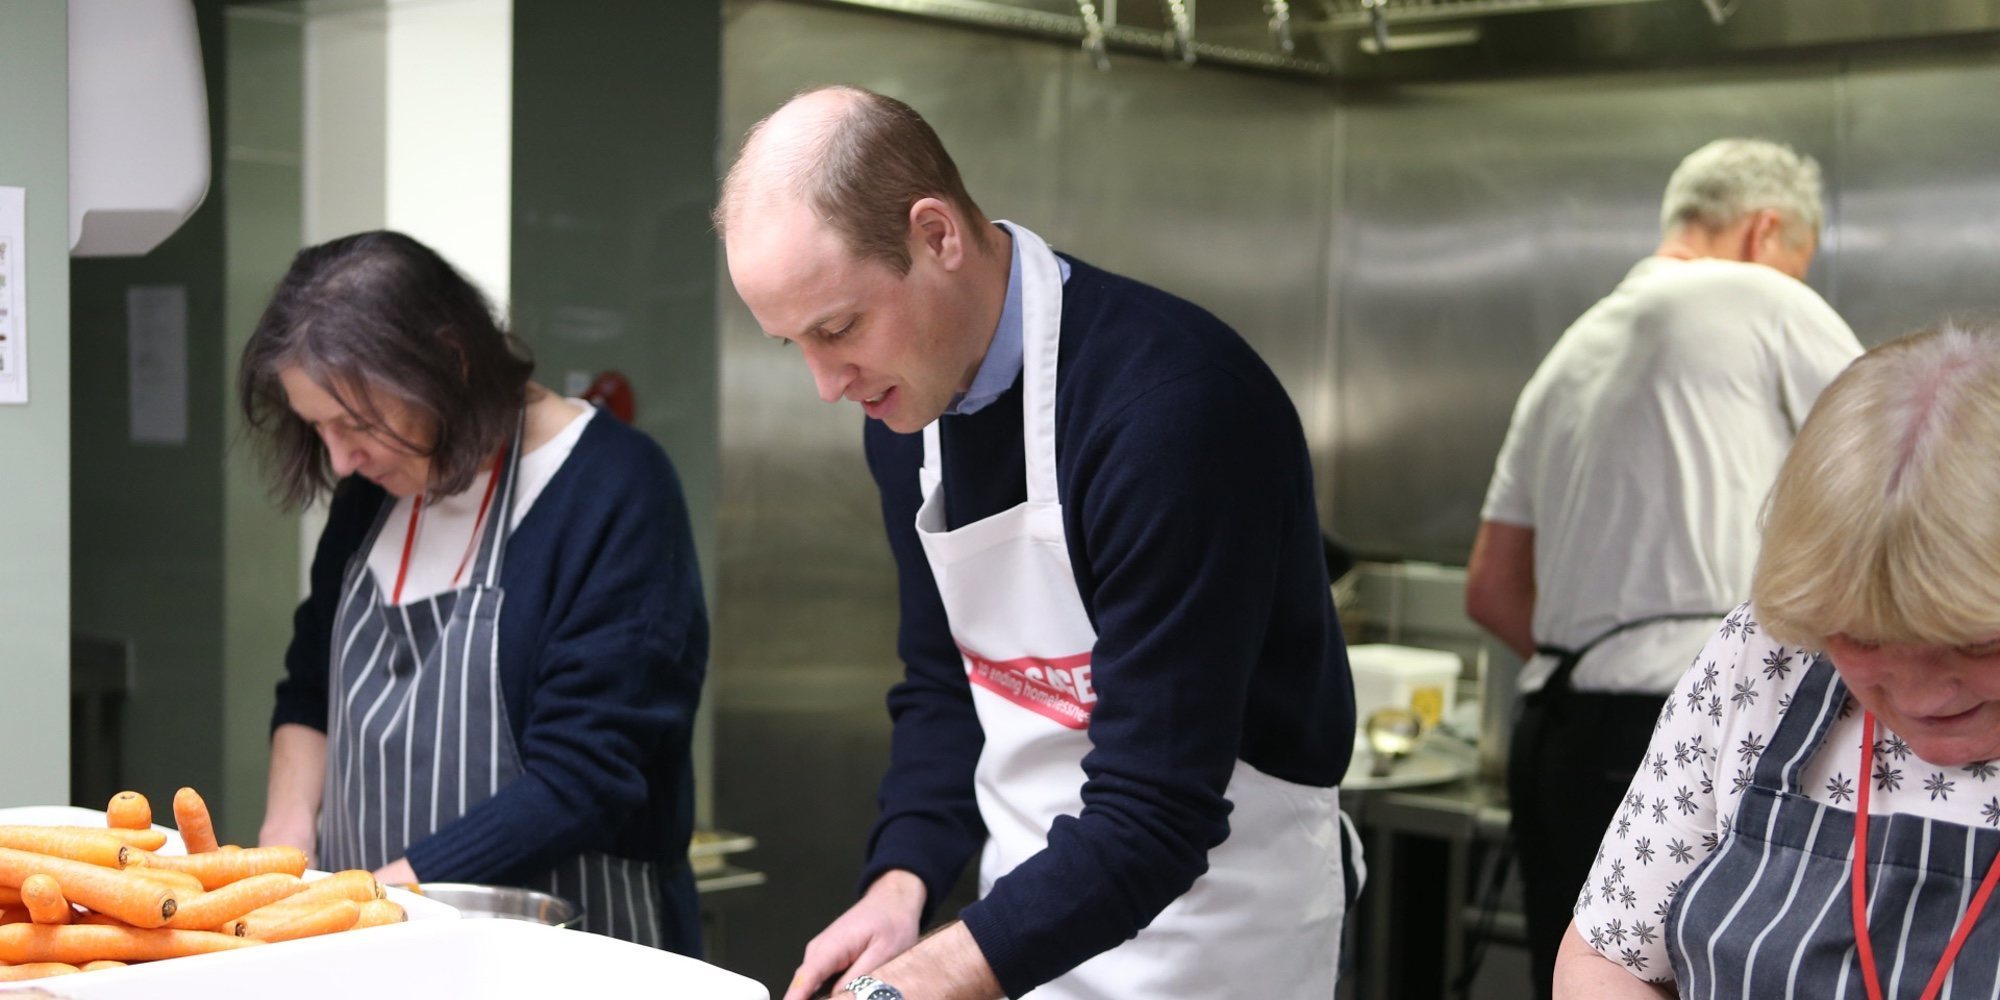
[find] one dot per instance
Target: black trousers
(1571, 760)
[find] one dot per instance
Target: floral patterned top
(1704, 749)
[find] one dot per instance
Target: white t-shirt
(1641, 450)
(445, 529)
(1719, 719)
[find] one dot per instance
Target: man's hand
(947, 965)
(879, 927)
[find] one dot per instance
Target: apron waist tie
(1567, 659)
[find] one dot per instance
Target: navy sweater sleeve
(616, 671)
(1185, 500)
(929, 822)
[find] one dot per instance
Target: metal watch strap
(871, 988)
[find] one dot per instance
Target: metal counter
(1430, 852)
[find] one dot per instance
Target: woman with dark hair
(495, 676)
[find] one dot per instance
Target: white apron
(1265, 920)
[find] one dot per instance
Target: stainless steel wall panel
(1477, 220)
(1213, 187)
(1919, 194)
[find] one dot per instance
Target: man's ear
(1765, 225)
(935, 231)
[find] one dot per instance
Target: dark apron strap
(1567, 659)
(1542, 711)
(1350, 873)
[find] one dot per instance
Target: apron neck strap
(1815, 706)
(493, 544)
(1041, 336)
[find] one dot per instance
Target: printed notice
(156, 341)
(1055, 688)
(13, 296)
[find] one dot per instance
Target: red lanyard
(1859, 881)
(410, 538)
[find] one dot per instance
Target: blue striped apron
(418, 731)
(1767, 915)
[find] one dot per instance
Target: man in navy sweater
(1125, 686)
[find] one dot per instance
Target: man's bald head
(858, 159)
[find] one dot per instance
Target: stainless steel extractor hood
(1247, 34)
(1413, 39)
(1405, 39)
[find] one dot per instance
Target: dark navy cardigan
(603, 644)
(1188, 508)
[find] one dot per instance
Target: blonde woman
(1851, 710)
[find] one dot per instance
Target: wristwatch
(871, 988)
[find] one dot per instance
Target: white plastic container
(1391, 676)
(487, 959)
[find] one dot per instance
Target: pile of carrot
(77, 899)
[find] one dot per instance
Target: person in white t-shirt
(1851, 710)
(1620, 523)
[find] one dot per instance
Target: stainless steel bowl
(504, 902)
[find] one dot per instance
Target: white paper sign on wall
(13, 296)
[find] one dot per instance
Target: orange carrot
(330, 917)
(14, 915)
(216, 869)
(191, 816)
(211, 910)
(354, 884)
(273, 914)
(377, 912)
(44, 898)
(35, 970)
(134, 900)
(129, 811)
(90, 942)
(182, 883)
(102, 963)
(9, 896)
(148, 839)
(92, 847)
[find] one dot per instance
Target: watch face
(883, 991)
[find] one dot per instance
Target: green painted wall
(616, 108)
(146, 548)
(34, 439)
(262, 204)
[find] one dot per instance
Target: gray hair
(1730, 178)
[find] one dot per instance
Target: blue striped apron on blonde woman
(1769, 913)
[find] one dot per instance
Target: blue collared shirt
(1002, 364)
